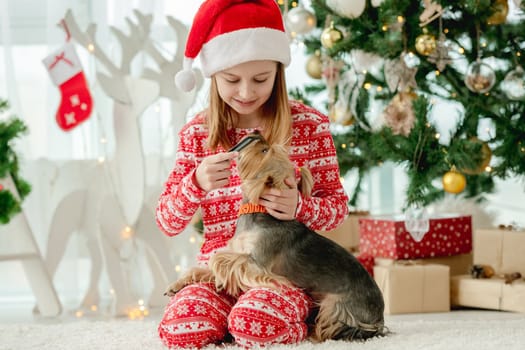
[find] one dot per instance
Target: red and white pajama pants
(198, 315)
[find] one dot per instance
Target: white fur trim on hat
(226, 33)
(252, 44)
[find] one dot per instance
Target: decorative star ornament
(440, 56)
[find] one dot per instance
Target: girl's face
(246, 87)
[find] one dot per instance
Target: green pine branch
(390, 30)
(10, 130)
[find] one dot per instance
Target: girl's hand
(281, 204)
(214, 171)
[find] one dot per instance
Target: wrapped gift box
(490, 293)
(501, 249)
(347, 234)
(458, 264)
(387, 237)
(414, 288)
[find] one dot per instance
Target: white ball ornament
(377, 3)
(347, 8)
(300, 21)
(514, 84)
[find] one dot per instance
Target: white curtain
(30, 31)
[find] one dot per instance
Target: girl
(244, 49)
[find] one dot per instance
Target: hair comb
(245, 142)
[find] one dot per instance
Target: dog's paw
(174, 288)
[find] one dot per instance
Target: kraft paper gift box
(387, 237)
(414, 288)
(458, 264)
(488, 293)
(501, 249)
(347, 234)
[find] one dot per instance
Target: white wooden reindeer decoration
(19, 244)
(111, 205)
(180, 101)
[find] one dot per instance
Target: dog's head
(262, 165)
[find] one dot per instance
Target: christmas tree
(10, 129)
(388, 68)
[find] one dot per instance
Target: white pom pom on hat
(185, 79)
(226, 33)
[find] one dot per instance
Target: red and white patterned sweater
(311, 146)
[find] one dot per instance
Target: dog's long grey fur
(323, 268)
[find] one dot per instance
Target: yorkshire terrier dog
(269, 252)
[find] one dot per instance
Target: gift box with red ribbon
(387, 237)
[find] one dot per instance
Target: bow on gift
(511, 227)
(486, 271)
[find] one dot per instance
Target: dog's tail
(336, 321)
(236, 273)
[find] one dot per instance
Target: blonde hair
(276, 113)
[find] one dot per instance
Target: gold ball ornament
(341, 114)
(314, 66)
(425, 44)
(501, 10)
(330, 36)
(454, 181)
(486, 154)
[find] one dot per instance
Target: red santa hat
(226, 33)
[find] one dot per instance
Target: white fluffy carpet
(462, 330)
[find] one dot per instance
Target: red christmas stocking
(65, 70)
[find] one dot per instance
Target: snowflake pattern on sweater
(311, 146)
